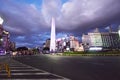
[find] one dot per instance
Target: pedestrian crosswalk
(21, 71)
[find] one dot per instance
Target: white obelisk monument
(1, 21)
(53, 36)
(119, 31)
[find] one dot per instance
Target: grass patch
(108, 53)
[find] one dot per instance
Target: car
(2, 52)
(46, 51)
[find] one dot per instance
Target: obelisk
(53, 36)
(119, 31)
(1, 21)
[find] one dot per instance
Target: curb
(89, 54)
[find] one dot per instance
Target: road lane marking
(42, 70)
(26, 74)
(20, 71)
(36, 79)
(97, 63)
(93, 63)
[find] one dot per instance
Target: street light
(1, 21)
(1, 39)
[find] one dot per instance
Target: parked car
(2, 52)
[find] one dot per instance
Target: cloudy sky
(29, 21)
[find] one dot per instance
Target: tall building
(110, 40)
(110, 29)
(105, 40)
(4, 39)
(95, 39)
(47, 43)
(68, 43)
(86, 41)
(12, 46)
(53, 36)
(74, 43)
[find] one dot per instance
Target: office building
(4, 39)
(105, 40)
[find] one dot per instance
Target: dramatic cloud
(29, 22)
(84, 13)
(25, 18)
(50, 9)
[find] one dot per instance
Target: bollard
(8, 70)
(6, 67)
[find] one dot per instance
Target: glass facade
(108, 40)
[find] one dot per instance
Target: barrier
(6, 67)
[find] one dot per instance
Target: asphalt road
(77, 67)
(14, 70)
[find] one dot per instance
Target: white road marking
(36, 79)
(20, 69)
(93, 63)
(27, 73)
(45, 71)
(24, 70)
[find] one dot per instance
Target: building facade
(86, 41)
(47, 43)
(105, 40)
(110, 40)
(12, 46)
(4, 40)
(69, 43)
(74, 43)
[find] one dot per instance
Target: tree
(22, 48)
